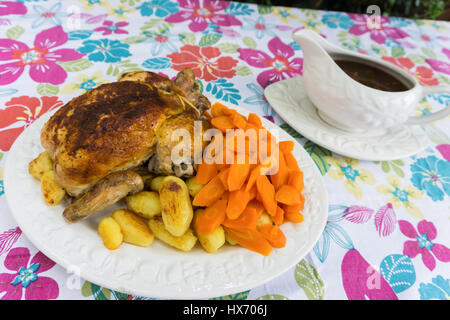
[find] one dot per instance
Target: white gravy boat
(349, 105)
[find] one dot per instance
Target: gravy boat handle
(435, 115)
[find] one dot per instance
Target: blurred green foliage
(417, 9)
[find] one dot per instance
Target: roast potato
(213, 241)
(145, 203)
(193, 186)
(229, 240)
(52, 192)
(134, 229)
(147, 178)
(41, 165)
(109, 231)
(264, 219)
(185, 242)
(156, 183)
(176, 207)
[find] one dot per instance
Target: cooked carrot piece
(295, 217)
(254, 174)
(237, 175)
(210, 218)
(267, 194)
(288, 195)
(254, 119)
(225, 196)
(274, 235)
(296, 207)
(296, 180)
(223, 123)
(286, 146)
(205, 172)
(223, 175)
(247, 220)
(291, 162)
(239, 121)
(237, 202)
(218, 109)
(250, 239)
(279, 216)
(210, 193)
(281, 177)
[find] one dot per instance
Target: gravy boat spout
(350, 105)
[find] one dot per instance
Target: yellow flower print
(311, 24)
(121, 11)
(423, 108)
(351, 175)
(84, 83)
(88, 5)
(401, 196)
(285, 14)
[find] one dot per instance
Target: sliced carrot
(210, 193)
(205, 172)
(254, 174)
(288, 195)
(279, 216)
(223, 123)
(291, 162)
(274, 235)
(250, 239)
(247, 220)
(223, 176)
(254, 119)
(296, 207)
(286, 146)
(296, 180)
(239, 120)
(218, 109)
(225, 196)
(237, 202)
(237, 175)
(281, 177)
(295, 217)
(267, 194)
(252, 192)
(210, 218)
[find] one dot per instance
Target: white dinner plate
(158, 271)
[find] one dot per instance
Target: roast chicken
(101, 139)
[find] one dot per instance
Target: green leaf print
(262, 9)
(395, 165)
(318, 154)
(228, 47)
(249, 42)
(99, 293)
(272, 297)
(309, 280)
(397, 52)
(209, 40)
(238, 296)
(186, 38)
(47, 89)
(290, 130)
(243, 71)
(76, 65)
(15, 32)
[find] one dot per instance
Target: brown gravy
(371, 76)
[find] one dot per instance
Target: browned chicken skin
(116, 127)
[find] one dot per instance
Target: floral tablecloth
(388, 225)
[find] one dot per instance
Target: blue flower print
(26, 275)
(43, 15)
(161, 8)
(258, 99)
(432, 175)
(439, 288)
(334, 20)
(160, 42)
(105, 50)
(260, 27)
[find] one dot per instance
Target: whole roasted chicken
(99, 140)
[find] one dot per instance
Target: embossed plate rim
(193, 275)
(298, 124)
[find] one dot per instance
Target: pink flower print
(202, 15)
(110, 27)
(27, 277)
(12, 7)
(278, 67)
(40, 59)
(423, 243)
(378, 34)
